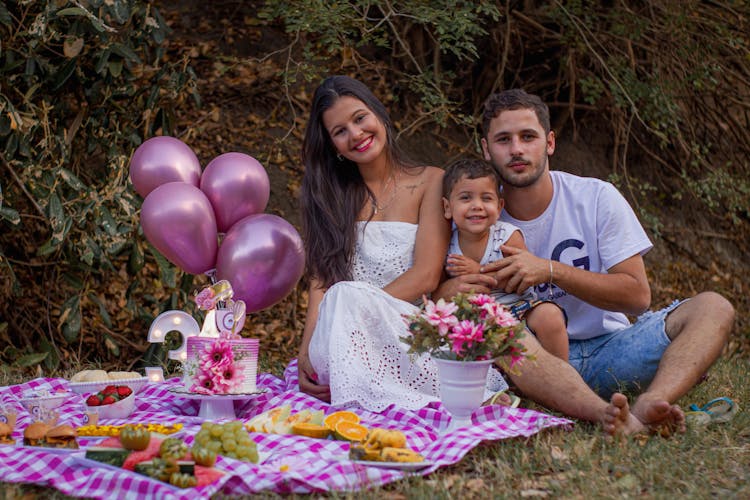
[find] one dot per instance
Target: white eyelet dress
(356, 346)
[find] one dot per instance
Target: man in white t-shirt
(585, 252)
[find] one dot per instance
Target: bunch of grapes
(230, 439)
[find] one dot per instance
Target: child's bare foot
(659, 416)
(618, 419)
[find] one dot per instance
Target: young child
(471, 197)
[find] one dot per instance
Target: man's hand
(518, 270)
(458, 265)
(308, 380)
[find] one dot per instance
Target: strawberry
(108, 400)
(124, 391)
(93, 400)
(110, 389)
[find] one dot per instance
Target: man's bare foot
(659, 416)
(618, 419)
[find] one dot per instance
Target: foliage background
(652, 95)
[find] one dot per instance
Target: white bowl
(121, 409)
(93, 387)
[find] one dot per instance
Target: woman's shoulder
(426, 174)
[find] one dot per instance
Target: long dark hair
(333, 191)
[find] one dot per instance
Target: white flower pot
(462, 386)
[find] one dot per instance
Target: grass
(706, 462)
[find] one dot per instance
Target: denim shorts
(625, 360)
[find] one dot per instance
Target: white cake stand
(216, 406)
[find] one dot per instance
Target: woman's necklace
(379, 208)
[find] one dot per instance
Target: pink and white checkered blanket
(292, 464)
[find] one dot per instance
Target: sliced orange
(311, 430)
(350, 431)
(338, 416)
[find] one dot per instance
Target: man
(585, 251)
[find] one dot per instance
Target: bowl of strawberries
(114, 401)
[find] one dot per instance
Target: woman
(375, 239)
(375, 243)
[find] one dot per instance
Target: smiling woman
(375, 241)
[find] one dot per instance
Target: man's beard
(521, 180)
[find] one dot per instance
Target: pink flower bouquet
(468, 328)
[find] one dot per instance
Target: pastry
(62, 436)
(6, 434)
(34, 434)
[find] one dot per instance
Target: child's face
(473, 204)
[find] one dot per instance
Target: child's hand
(459, 265)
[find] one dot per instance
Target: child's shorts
(521, 308)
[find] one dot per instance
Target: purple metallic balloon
(237, 185)
(178, 220)
(160, 160)
(263, 258)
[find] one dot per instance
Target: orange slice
(334, 418)
(350, 431)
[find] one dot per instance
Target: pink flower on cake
(204, 383)
(232, 376)
(218, 353)
(440, 315)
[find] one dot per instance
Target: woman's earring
(338, 155)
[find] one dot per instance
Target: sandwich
(62, 436)
(6, 434)
(34, 434)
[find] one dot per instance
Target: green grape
(217, 430)
(215, 446)
(230, 444)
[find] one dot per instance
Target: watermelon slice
(137, 457)
(206, 475)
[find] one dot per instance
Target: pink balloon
(178, 220)
(160, 160)
(237, 185)
(262, 256)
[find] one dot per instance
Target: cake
(221, 365)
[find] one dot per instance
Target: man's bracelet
(550, 279)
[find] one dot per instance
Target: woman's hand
(308, 380)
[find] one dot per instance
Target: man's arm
(624, 288)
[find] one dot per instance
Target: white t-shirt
(500, 233)
(590, 225)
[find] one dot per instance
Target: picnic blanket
(289, 463)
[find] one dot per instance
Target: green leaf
(136, 260)
(31, 359)
(72, 11)
(71, 179)
(115, 67)
(10, 215)
(102, 310)
(5, 17)
(52, 361)
(71, 318)
(165, 269)
(63, 74)
(111, 345)
(126, 52)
